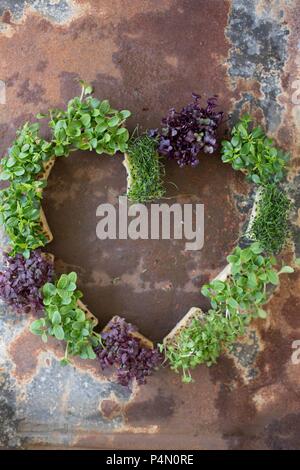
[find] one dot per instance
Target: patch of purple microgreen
(124, 351)
(186, 133)
(21, 280)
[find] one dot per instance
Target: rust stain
(149, 409)
(266, 398)
(25, 350)
(30, 92)
(110, 409)
(6, 17)
(291, 311)
(283, 433)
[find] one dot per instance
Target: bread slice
(127, 166)
(193, 313)
(88, 314)
(45, 227)
(145, 342)
(48, 257)
(47, 167)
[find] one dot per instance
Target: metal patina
(148, 56)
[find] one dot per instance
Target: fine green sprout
(145, 170)
(271, 224)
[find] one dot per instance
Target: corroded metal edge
(48, 165)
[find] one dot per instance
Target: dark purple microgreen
(125, 352)
(21, 280)
(186, 133)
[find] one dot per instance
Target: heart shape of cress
(236, 294)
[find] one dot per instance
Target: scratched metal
(147, 56)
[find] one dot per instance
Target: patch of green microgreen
(26, 156)
(255, 153)
(271, 223)
(20, 206)
(234, 302)
(146, 170)
(245, 290)
(65, 321)
(202, 342)
(88, 124)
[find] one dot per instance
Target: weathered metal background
(147, 56)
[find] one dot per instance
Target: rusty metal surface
(147, 56)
